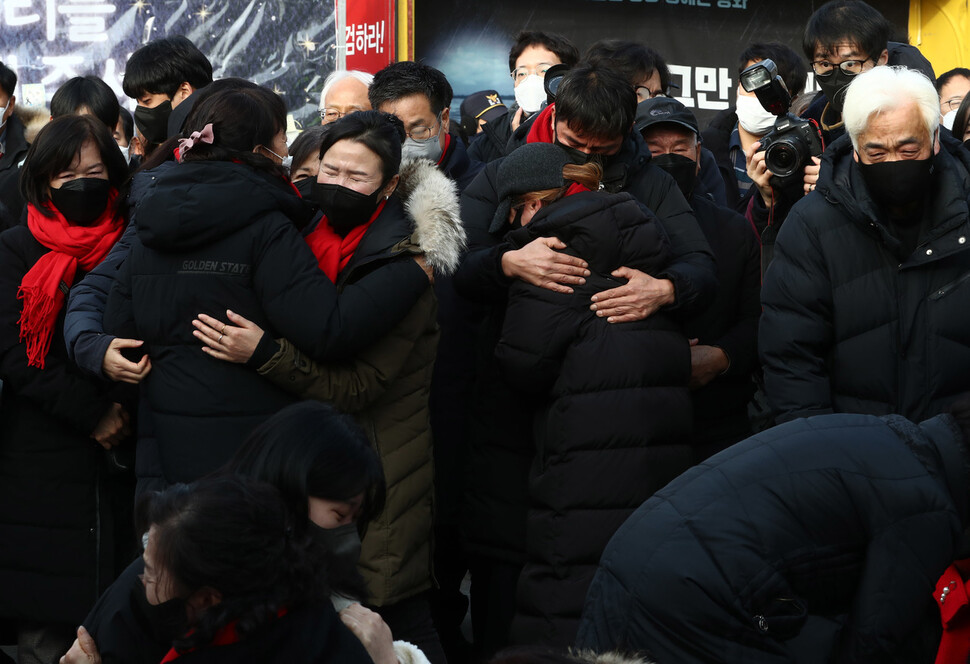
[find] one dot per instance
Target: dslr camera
(791, 144)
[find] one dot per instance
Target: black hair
(945, 77)
(382, 133)
(564, 49)
(408, 78)
(8, 80)
(90, 93)
(161, 66)
(847, 21)
(790, 65)
(596, 101)
(234, 535)
(312, 449)
(632, 60)
(307, 144)
(127, 123)
(962, 119)
(57, 146)
(164, 152)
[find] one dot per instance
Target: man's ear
(697, 158)
(183, 93)
(552, 119)
(446, 118)
(883, 57)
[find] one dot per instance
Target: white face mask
(3, 120)
(752, 117)
(948, 119)
(124, 151)
(530, 93)
(429, 149)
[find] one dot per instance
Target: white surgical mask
(124, 151)
(429, 149)
(3, 112)
(752, 117)
(948, 119)
(530, 93)
(285, 162)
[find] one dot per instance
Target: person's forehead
(577, 134)
(347, 88)
(894, 125)
(843, 49)
(668, 133)
(536, 54)
(957, 84)
(412, 107)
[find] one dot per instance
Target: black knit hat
(532, 167)
(659, 110)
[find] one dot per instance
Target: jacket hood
(196, 203)
(840, 183)
(431, 203)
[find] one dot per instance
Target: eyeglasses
(644, 93)
(520, 73)
(329, 115)
(422, 134)
(850, 67)
(952, 104)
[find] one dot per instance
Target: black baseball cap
(659, 110)
(484, 105)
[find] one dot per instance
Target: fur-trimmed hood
(431, 202)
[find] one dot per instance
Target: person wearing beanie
(610, 402)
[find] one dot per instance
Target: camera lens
(785, 156)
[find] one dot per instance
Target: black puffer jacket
(59, 501)
(851, 325)
(12, 203)
(218, 235)
(820, 540)
(615, 405)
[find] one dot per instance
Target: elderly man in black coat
(865, 303)
(820, 540)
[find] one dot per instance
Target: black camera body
(791, 144)
(789, 148)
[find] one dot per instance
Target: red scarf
(334, 252)
(953, 598)
(44, 288)
(541, 129)
(225, 636)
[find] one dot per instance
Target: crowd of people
(662, 393)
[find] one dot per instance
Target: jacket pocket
(943, 291)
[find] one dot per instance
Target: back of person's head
(634, 61)
(962, 120)
(381, 133)
(850, 21)
(596, 101)
(564, 49)
(161, 66)
(86, 94)
(947, 76)
(232, 537)
(340, 75)
(884, 89)
(241, 118)
(57, 147)
(8, 80)
(312, 449)
(790, 65)
(403, 79)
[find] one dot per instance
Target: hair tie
(204, 136)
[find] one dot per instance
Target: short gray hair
(340, 75)
(884, 89)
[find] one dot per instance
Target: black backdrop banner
(700, 39)
(286, 45)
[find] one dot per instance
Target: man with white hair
(866, 302)
(344, 92)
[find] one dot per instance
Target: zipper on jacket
(944, 290)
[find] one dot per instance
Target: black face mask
(345, 208)
(83, 200)
(579, 157)
(167, 621)
(343, 549)
(153, 122)
(305, 187)
(898, 183)
(834, 87)
(682, 169)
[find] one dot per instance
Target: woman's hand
(117, 367)
(372, 631)
(84, 650)
(113, 427)
(232, 343)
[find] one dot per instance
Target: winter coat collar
(456, 164)
(196, 203)
(841, 184)
(423, 216)
(15, 143)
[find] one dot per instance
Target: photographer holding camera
(865, 303)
